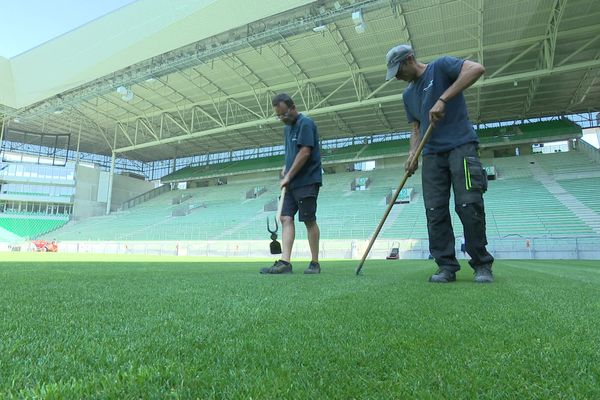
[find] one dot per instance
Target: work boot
(313, 268)
(278, 267)
(483, 275)
(443, 276)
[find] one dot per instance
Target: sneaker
(278, 267)
(483, 275)
(443, 276)
(313, 268)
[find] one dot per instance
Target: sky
(29, 23)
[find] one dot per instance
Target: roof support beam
(366, 103)
(246, 108)
(587, 82)
(124, 131)
(383, 85)
(247, 75)
(216, 121)
(402, 17)
(210, 89)
(377, 69)
(361, 85)
(579, 50)
(311, 90)
(479, 53)
(95, 124)
(334, 91)
(144, 123)
(515, 59)
(547, 51)
(183, 128)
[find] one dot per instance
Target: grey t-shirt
(303, 133)
(454, 129)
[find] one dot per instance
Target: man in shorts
(302, 178)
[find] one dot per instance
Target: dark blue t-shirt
(454, 129)
(303, 133)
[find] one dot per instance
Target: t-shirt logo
(428, 86)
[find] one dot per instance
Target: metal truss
(318, 107)
(547, 50)
(309, 93)
(361, 86)
(587, 82)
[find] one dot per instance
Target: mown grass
(162, 330)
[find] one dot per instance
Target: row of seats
(516, 204)
(585, 190)
(30, 227)
(378, 149)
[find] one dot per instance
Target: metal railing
(134, 201)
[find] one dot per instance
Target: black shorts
(303, 199)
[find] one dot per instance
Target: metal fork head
(271, 231)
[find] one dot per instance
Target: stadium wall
(91, 191)
(126, 187)
(86, 202)
(569, 248)
(592, 152)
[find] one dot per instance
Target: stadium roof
(198, 77)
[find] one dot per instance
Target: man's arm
(301, 159)
(469, 74)
(412, 162)
(415, 137)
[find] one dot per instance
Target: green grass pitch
(171, 328)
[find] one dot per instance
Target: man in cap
(450, 157)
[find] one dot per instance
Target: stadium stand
(571, 162)
(585, 190)
(555, 129)
(513, 204)
(226, 168)
(30, 225)
(540, 131)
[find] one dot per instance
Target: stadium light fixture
(126, 94)
(357, 17)
(359, 22)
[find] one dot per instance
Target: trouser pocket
(475, 175)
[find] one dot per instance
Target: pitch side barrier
(571, 247)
